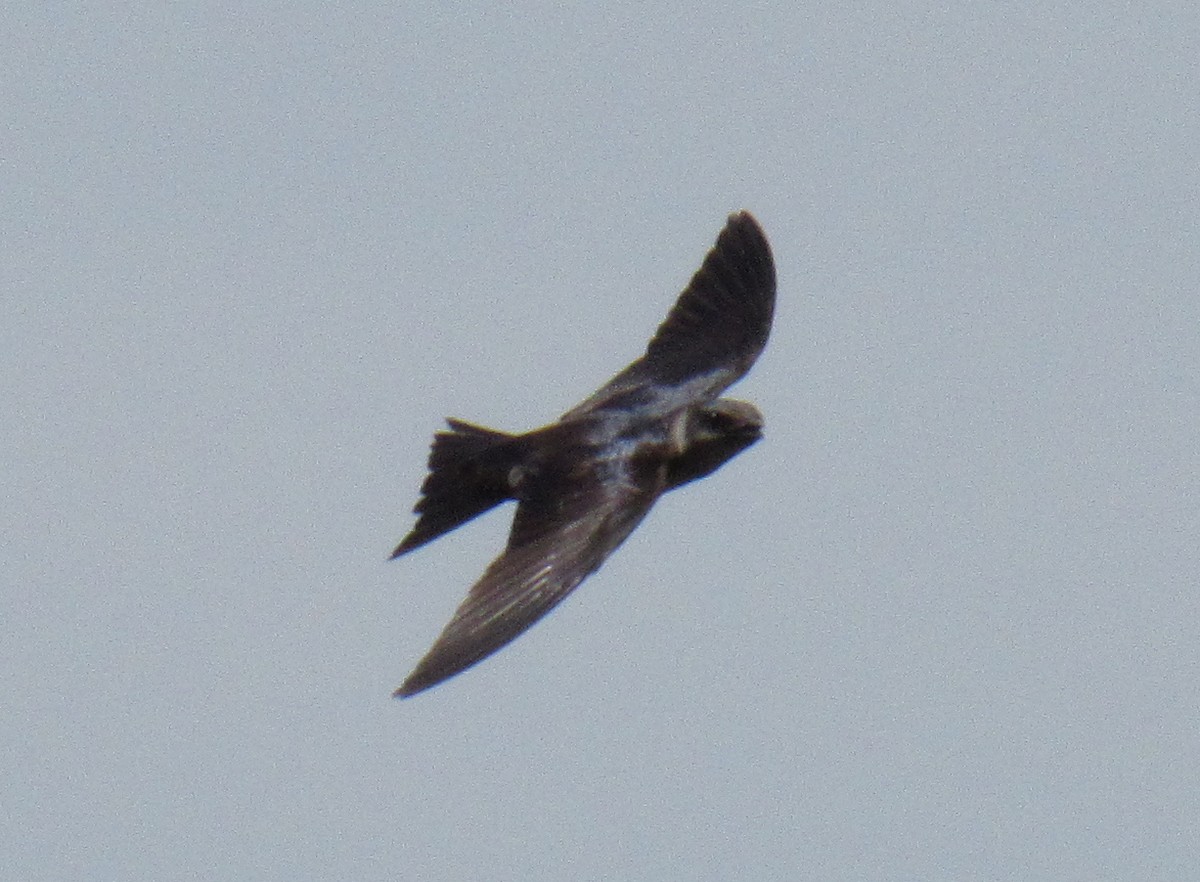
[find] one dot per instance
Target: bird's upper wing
(713, 333)
(562, 532)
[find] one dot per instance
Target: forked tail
(468, 474)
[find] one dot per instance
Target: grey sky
(941, 624)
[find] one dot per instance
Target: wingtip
(414, 685)
(744, 233)
(743, 221)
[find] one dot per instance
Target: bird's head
(715, 433)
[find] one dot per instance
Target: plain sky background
(941, 624)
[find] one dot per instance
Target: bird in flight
(583, 483)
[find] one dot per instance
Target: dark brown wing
(712, 335)
(560, 535)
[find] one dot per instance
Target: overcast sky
(942, 623)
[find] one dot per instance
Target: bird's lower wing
(563, 538)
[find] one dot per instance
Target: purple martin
(583, 483)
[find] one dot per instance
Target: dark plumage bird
(583, 483)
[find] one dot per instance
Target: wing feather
(564, 538)
(713, 333)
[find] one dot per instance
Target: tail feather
(468, 474)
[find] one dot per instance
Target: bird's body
(583, 483)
